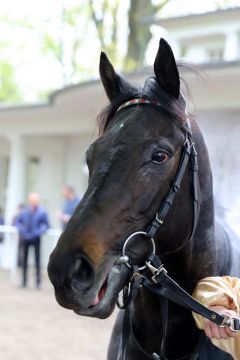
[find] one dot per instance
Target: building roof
(211, 16)
(75, 108)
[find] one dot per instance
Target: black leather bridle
(188, 152)
(160, 283)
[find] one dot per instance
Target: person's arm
(19, 223)
(221, 294)
(43, 224)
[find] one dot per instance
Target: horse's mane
(175, 109)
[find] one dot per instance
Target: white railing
(9, 248)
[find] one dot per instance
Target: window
(33, 166)
(215, 54)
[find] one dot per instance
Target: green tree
(120, 28)
(65, 49)
(106, 17)
(140, 15)
(9, 90)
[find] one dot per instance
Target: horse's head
(131, 167)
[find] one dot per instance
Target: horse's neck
(204, 252)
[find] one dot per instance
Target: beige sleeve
(221, 291)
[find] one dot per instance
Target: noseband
(160, 283)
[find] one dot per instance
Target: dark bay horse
(131, 169)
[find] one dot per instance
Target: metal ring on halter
(127, 241)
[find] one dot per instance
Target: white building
(212, 40)
(42, 146)
(207, 37)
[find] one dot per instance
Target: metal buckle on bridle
(155, 271)
(187, 143)
(160, 221)
(232, 323)
(156, 356)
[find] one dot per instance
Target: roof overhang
(73, 110)
(199, 20)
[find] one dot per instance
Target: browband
(143, 101)
(138, 101)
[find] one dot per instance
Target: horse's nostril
(76, 267)
(82, 275)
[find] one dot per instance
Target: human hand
(63, 217)
(216, 332)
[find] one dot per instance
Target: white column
(16, 175)
(231, 49)
(3, 177)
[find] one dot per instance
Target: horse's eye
(159, 157)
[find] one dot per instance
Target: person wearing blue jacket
(1, 223)
(32, 222)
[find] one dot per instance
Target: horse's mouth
(100, 294)
(103, 303)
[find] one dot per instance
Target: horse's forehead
(140, 121)
(146, 126)
(133, 127)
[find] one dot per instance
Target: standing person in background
(19, 210)
(32, 222)
(20, 241)
(70, 204)
(1, 223)
(1, 217)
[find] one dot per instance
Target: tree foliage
(66, 46)
(75, 36)
(139, 15)
(9, 90)
(110, 30)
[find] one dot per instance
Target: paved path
(34, 327)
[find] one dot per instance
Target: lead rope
(165, 287)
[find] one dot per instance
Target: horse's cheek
(144, 187)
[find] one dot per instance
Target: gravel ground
(34, 327)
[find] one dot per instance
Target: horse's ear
(113, 83)
(166, 70)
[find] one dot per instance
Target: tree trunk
(139, 21)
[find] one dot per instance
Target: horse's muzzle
(72, 275)
(78, 288)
